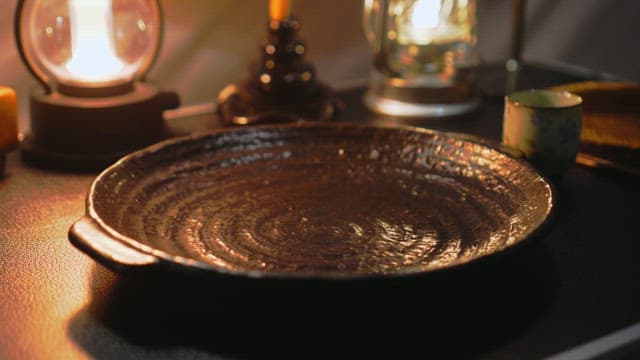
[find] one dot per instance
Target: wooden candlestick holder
(282, 85)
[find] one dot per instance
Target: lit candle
(93, 56)
(8, 120)
(279, 9)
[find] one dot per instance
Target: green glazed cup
(545, 126)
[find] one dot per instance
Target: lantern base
(393, 107)
(90, 133)
(245, 104)
(426, 96)
(43, 157)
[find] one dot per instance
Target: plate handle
(89, 237)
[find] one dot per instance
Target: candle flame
(279, 9)
(93, 57)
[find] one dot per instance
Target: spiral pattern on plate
(323, 200)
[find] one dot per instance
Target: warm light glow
(426, 14)
(93, 56)
(432, 22)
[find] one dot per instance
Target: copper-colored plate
(313, 201)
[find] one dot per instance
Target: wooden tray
(610, 137)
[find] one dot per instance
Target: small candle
(279, 9)
(8, 120)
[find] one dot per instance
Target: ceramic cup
(545, 126)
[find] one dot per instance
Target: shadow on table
(460, 314)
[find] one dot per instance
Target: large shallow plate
(327, 201)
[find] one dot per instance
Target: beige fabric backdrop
(209, 43)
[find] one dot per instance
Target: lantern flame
(93, 56)
(426, 14)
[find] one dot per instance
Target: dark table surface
(577, 283)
